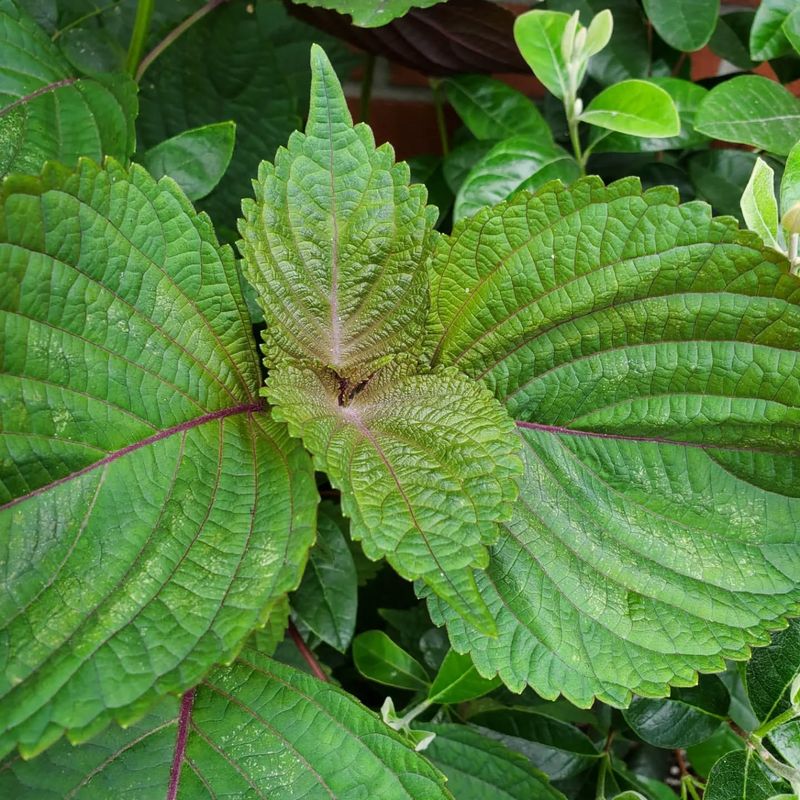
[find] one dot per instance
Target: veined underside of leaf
(336, 243)
(254, 729)
(649, 354)
(152, 511)
(47, 111)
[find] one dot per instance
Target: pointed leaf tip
(328, 104)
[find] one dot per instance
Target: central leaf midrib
(243, 408)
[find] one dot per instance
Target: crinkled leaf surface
(255, 729)
(371, 13)
(336, 242)
(47, 111)
(771, 672)
(739, 776)
(650, 356)
(426, 465)
(152, 512)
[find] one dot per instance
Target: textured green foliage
(47, 111)
(751, 110)
(685, 24)
(327, 598)
(152, 512)
(425, 463)
(538, 35)
(649, 354)
(255, 729)
(336, 243)
(478, 767)
(759, 204)
(380, 659)
(195, 159)
(770, 674)
(739, 776)
(371, 13)
(251, 68)
(493, 110)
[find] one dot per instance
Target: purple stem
(244, 408)
(51, 87)
(187, 701)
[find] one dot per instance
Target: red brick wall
(402, 110)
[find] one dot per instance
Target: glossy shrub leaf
(560, 750)
(327, 598)
(767, 37)
(638, 108)
(458, 681)
(751, 110)
(538, 35)
(257, 728)
(689, 716)
(687, 97)
(251, 68)
(426, 465)
(684, 24)
(130, 381)
(703, 756)
(649, 354)
(731, 39)
(719, 178)
(336, 242)
(47, 111)
(478, 767)
(790, 192)
(512, 164)
(771, 671)
(380, 659)
(460, 160)
(759, 205)
(195, 159)
(739, 776)
(491, 109)
(369, 13)
(791, 29)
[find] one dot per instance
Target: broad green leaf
(759, 206)
(251, 68)
(254, 729)
(538, 35)
(371, 13)
(771, 671)
(786, 740)
(650, 356)
(512, 164)
(687, 97)
(461, 159)
(687, 717)
(739, 776)
(751, 110)
(478, 767)
(719, 178)
(429, 169)
(731, 39)
(598, 34)
(791, 29)
(458, 681)
(327, 598)
(491, 109)
(767, 37)
(426, 465)
(703, 756)
(558, 749)
(790, 188)
(195, 159)
(47, 111)
(130, 416)
(684, 24)
(379, 659)
(336, 243)
(638, 108)
(629, 795)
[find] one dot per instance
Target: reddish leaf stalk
(184, 720)
(301, 645)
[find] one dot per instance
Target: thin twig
(176, 33)
(309, 657)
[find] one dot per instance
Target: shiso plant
(573, 423)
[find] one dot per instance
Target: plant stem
(366, 86)
(789, 774)
(415, 712)
(601, 778)
(770, 725)
(176, 33)
(794, 264)
(571, 110)
(308, 656)
(141, 25)
(74, 24)
(440, 120)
